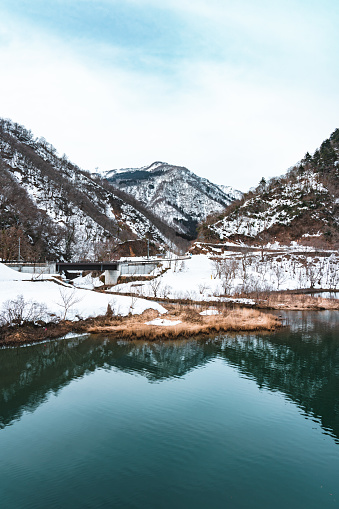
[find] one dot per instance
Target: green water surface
(236, 421)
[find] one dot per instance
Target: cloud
(233, 112)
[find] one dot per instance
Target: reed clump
(299, 302)
(134, 326)
(192, 324)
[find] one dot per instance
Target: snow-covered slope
(173, 193)
(301, 205)
(210, 277)
(59, 210)
(51, 298)
(232, 193)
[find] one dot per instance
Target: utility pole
(19, 249)
(147, 248)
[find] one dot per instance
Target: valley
(240, 250)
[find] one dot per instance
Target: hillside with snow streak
(60, 211)
(299, 206)
(174, 193)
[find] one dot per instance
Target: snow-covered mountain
(302, 205)
(232, 193)
(173, 193)
(59, 210)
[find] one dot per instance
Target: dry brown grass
(134, 327)
(192, 324)
(18, 335)
(298, 302)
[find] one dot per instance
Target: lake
(234, 421)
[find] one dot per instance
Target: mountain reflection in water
(301, 361)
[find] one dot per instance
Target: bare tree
(332, 272)
(313, 271)
(155, 286)
(134, 299)
(165, 291)
(203, 287)
(18, 311)
(263, 238)
(228, 273)
(106, 250)
(245, 262)
(14, 244)
(279, 273)
(68, 299)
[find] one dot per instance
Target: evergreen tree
(335, 137)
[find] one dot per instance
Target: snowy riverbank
(55, 300)
(210, 277)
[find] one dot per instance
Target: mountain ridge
(302, 205)
(175, 194)
(59, 210)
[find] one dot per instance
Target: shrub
(18, 312)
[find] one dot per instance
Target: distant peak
(155, 165)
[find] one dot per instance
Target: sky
(234, 91)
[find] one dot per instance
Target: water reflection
(302, 362)
(326, 295)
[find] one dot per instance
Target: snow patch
(209, 312)
(163, 323)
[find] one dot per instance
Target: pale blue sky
(232, 90)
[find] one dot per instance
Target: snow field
(202, 278)
(183, 280)
(64, 299)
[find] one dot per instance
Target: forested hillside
(60, 211)
(174, 194)
(301, 205)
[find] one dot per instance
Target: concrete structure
(33, 268)
(111, 277)
(138, 268)
(113, 270)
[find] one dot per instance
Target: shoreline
(187, 323)
(231, 317)
(293, 300)
(297, 302)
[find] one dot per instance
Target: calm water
(244, 421)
